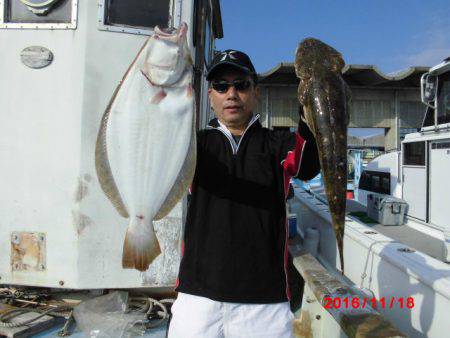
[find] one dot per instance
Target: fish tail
(140, 248)
(340, 244)
(341, 255)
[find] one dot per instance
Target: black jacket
(235, 240)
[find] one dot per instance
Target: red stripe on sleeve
(291, 167)
(291, 164)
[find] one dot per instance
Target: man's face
(233, 107)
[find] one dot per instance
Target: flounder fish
(325, 98)
(145, 152)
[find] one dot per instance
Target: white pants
(200, 317)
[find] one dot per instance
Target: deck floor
(413, 238)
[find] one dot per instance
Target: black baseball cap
(232, 58)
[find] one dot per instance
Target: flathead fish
(145, 152)
(325, 98)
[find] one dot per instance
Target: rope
(148, 308)
(156, 311)
(164, 314)
(6, 316)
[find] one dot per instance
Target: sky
(392, 35)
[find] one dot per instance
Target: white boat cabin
(419, 172)
(61, 62)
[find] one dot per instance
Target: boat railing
(320, 312)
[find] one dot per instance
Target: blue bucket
(292, 221)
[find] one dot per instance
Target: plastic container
(386, 210)
(292, 221)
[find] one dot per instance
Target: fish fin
(189, 91)
(159, 96)
(304, 93)
(308, 119)
(340, 243)
(139, 249)
(147, 76)
(102, 165)
(103, 168)
(339, 234)
(183, 181)
(303, 119)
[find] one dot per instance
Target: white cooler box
(386, 210)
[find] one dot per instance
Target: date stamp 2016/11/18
(356, 303)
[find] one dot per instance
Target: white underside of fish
(149, 138)
(147, 146)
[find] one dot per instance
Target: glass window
(411, 114)
(386, 185)
(414, 153)
(364, 181)
(17, 11)
(429, 117)
(137, 13)
(375, 181)
(444, 99)
(208, 43)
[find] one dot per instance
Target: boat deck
(405, 234)
(413, 238)
(159, 332)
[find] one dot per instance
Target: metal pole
(397, 121)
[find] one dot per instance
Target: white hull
(375, 264)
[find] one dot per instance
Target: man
(233, 274)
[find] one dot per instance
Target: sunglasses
(223, 86)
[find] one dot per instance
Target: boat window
(414, 153)
(444, 99)
(375, 181)
(411, 114)
(429, 117)
(364, 181)
(386, 184)
(137, 13)
(37, 12)
(208, 41)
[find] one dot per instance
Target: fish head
(167, 56)
(315, 58)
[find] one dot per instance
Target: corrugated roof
(354, 75)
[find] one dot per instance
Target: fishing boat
(60, 238)
(408, 261)
(61, 62)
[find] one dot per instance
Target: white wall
(49, 123)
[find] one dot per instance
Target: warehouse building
(391, 102)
